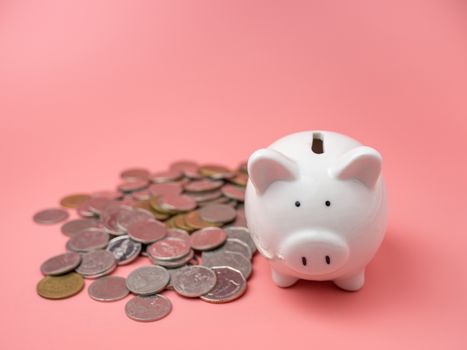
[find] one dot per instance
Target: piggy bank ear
(361, 163)
(266, 166)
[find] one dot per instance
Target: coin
(60, 264)
(88, 240)
(242, 234)
(147, 280)
(50, 216)
(177, 203)
(162, 189)
(230, 285)
(216, 171)
(169, 249)
(60, 287)
(147, 231)
(148, 308)
(134, 174)
(234, 192)
(203, 185)
(201, 197)
(141, 195)
(128, 217)
(73, 227)
(170, 264)
(131, 186)
(84, 210)
(237, 246)
(226, 258)
(187, 167)
(124, 249)
(166, 176)
(208, 238)
(178, 233)
(98, 204)
(146, 204)
(74, 200)
(114, 195)
(193, 281)
(108, 288)
(240, 220)
(96, 264)
(218, 213)
(194, 220)
(239, 179)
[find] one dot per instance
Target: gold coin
(193, 219)
(215, 171)
(240, 179)
(154, 202)
(180, 223)
(145, 204)
(74, 200)
(60, 287)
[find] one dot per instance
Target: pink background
(88, 88)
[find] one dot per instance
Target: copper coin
(74, 227)
(201, 197)
(74, 200)
(50, 216)
(61, 264)
(208, 238)
(168, 249)
(234, 192)
(108, 288)
(194, 220)
(177, 203)
(60, 287)
(134, 174)
(218, 213)
(240, 179)
(166, 176)
(230, 285)
(148, 308)
(147, 231)
(203, 185)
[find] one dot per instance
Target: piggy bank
(315, 205)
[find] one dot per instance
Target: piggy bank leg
(352, 283)
(283, 280)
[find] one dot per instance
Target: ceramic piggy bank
(316, 207)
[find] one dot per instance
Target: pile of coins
(188, 221)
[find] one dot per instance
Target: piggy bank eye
(297, 203)
(328, 203)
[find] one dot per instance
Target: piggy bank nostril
(303, 261)
(328, 260)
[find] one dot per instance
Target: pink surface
(88, 88)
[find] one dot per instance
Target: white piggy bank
(316, 207)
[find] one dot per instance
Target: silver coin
(203, 185)
(237, 246)
(84, 210)
(98, 204)
(166, 176)
(193, 281)
(127, 218)
(234, 192)
(147, 231)
(132, 186)
(169, 249)
(202, 197)
(208, 238)
(110, 216)
(230, 285)
(219, 213)
(225, 258)
(73, 227)
(124, 249)
(148, 308)
(61, 264)
(134, 174)
(170, 264)
(96, 264)
(142, 195)
(50, 216)
(88, 240)
(147, 280)
(108, 288)
(242, 234)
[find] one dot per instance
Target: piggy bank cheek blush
(316, 207)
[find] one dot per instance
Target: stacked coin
(188, 221)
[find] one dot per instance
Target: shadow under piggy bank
(387, 282)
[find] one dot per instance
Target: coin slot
(317, 145)
(328, 260)
(303, 261)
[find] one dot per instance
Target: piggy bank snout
(314, 253)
